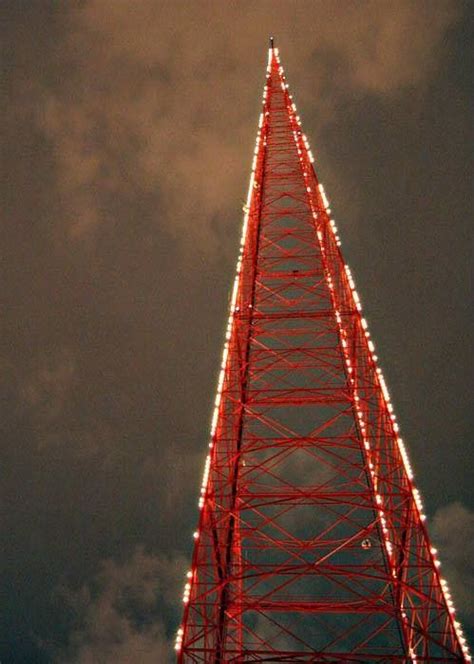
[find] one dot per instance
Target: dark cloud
(127, 145)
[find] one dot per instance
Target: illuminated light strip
(362, 425)
(408, 469)
(179, 639)
(386, 538)
(407, 466)
(230, 325)
(401, 446)
(452, 611)
(387, 400)
(349, 367)
(323, 195)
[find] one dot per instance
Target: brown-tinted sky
(127, 142)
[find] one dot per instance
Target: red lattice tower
(311, 544)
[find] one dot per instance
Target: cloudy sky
(127, 141)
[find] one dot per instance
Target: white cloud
(121, 613)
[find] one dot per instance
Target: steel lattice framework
(311, 544)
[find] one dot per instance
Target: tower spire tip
(272, 44)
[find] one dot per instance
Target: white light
(323, 196)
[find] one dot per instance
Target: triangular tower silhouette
(311, 544)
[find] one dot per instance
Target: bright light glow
(323, 196)
(234, 309)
